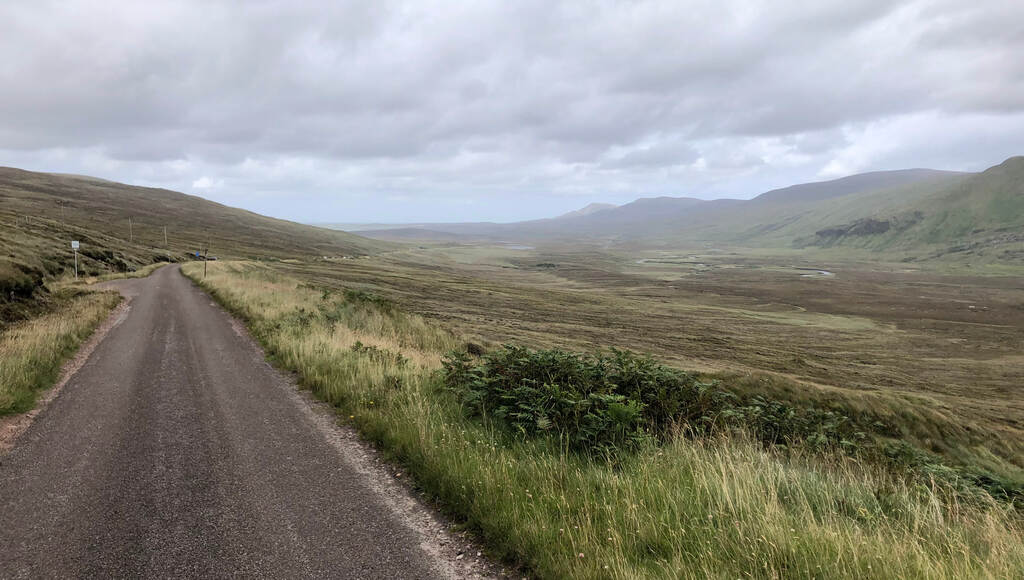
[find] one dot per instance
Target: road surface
(176, 451)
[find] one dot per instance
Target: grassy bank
(719, 506)
(142, 272)
(32, 351)
(904, 346)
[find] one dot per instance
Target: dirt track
(177, 451)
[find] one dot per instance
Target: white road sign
(74, 245)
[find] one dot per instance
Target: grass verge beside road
(708, 507)
(142, 272)
(33, 351)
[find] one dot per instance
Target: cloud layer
(385, 111)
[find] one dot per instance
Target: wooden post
(74, 246)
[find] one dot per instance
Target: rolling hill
(914, 213)
(871, 181)
(981, 214)
(777, 217)
(587, 210)
(42, 212)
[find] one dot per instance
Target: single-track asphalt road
(177, 451)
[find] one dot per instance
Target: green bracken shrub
(622, 397)
(382, 304)
(19, 280)
(548, 392)
(612, 402)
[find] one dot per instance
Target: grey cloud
(489, 99)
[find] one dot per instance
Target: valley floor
(942, 348)
(703, 507)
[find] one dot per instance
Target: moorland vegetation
(562, 473)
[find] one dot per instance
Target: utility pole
(206, 258)
(165, 237)
(61, 202)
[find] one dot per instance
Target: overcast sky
(452, 111)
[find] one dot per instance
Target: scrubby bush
(621, 398)
(18, 280)
(548, 391)
(384, 305)
(97, 253)
(612, 402)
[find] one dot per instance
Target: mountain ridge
(587, 210)
(673, 218)
(919, 213)
(818, 190)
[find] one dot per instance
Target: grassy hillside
(41, 213)
(783, 223)
(778, 218)
(991, 203)
(872, 181)
(980, 217)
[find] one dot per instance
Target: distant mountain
(416, 233)
(362, 226)
(777, 217)
(779, 211)
(592, 208)
(919, 213)
(874, 180)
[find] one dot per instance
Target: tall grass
(719, 507)
(32, 351)
(142, 272)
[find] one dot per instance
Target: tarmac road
(176, 451)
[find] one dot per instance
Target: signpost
(74, 246)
